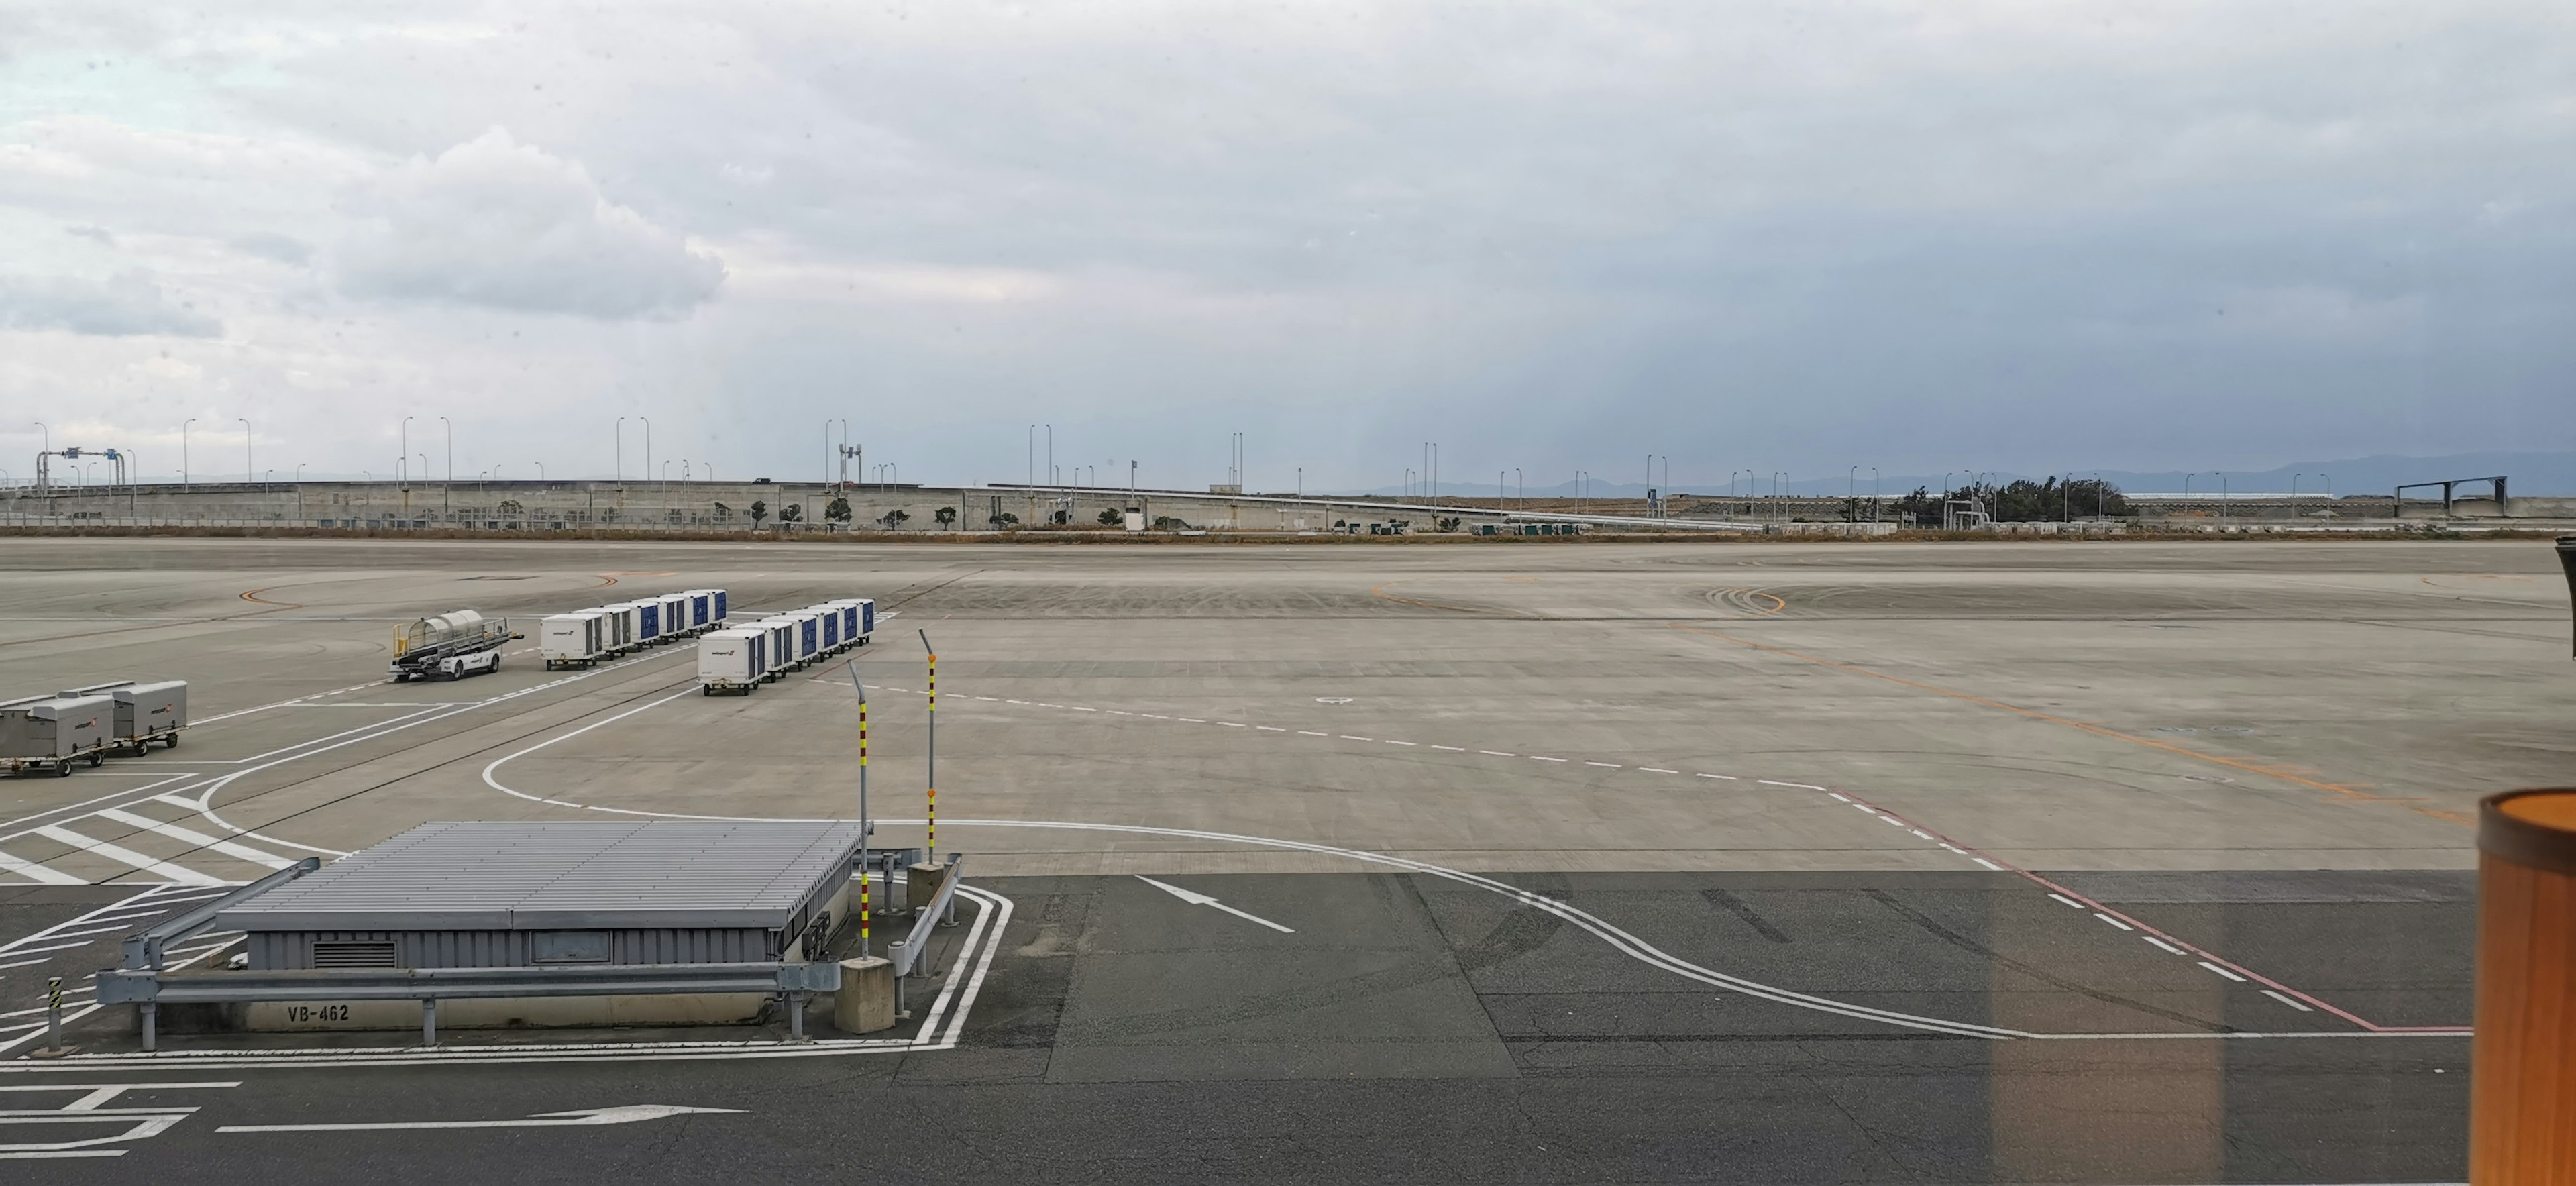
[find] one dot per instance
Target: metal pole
(931, 839)
(151, 1026)
(250, 472)
(895, 951)
(183, 449)
(648, 447)
(429, 1021)
(621, 449)
(863, 808)
(443, 487)
(53, 1015)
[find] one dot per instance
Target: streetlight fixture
(247, 468)
(402, 461)
(451, 466)
(648, 445)
(541, 471)
(183, 449)
(621, 450)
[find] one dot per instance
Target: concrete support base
(865, 1003)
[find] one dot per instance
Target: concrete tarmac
(2028, 862)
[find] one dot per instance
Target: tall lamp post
(451, 466)
(183, 449)
(620, 430)
(249, 471)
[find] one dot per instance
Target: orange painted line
(254, 595)
(2097, 730)
(1381, 594)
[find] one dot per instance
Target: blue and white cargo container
(675, 615)
(858, 618)
(576, 639)
(733, 661)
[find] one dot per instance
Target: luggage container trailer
(454, 644)
(859, 618)
(618, 635)
(573, 640)
(828, 621)
(780, 652)
(146, 713)
(42, 734)
(809, 637)
(702, 609)
(733, 661)
(675, 616)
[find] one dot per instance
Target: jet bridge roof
(569, 876)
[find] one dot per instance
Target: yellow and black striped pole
(930, 842)
(863, 809)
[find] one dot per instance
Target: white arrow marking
(1195, 898)
(626, 1114)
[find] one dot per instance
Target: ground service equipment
(733, 661)
(146, 713)
(575, 639)
(49, 733)
(620, 637)
(675, 616)
(779, 652)
(455, 644)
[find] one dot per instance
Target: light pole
(1521, 481)
(621, 450)
(1050, 454)
(451, 466)
(402, 460)
(183, 449)
(247, 468)
(2222, 500)
(1851, 494)
(541, 471)
(1033, 458)
(648, 445)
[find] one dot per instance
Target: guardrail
(147, 989)
(143, 951)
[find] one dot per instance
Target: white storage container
(782, 644)
(733, 660)
(675, 616)
(151, 712)
(575, 639)
(54, 728)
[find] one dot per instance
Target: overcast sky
(1767, 236)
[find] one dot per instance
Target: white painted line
(126, 856)
(625, 1114)
(1157, 716)
(1312, 733)
(2161, 943)
(1192, 720)
(1989, 864)
(2063, 900)
(1611, 765)
(1495, 753)
(27, 964)
(241, 852)
(39, 873)
(1014, 701)
(1195, 898)
(1079, 708)
(1115, 712)
(1800, 785)
(1727, 777)
(2113, 921)
(1233, 725)
(2222, 971)
(1954, 848)
(1263, 728)
(1656, 770)
(50, 947)
(1921, 833)
(1391, 741)
(1350, 737)
(1866, 807)
(2290, 1001)
(1544, 758)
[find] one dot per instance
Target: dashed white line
(2063, 900)
(1191, 720)
(1608, 765)
(1392, 741)
(1543, 758)
(1732, 778)
(1866, 807)
(2222, 971)
(1455, 749)
(1351, 737)
(1989, 864)
(1311, 733)
(1804, 786)
(2113, 921)
(1263, 728)
(2288, 1000)
(1495, 753)
(1079, 708)
(1232, 725)
(1655, 770)
(2161, 943)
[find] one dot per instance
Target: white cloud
(129, 304)
(497, 223)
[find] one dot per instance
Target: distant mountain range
(2536, 474)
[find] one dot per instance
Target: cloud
(496, 223)
(274, 248)
(129, 304)
(95, 234)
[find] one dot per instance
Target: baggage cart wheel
(172, 741)
(98, 758)
(62, 770)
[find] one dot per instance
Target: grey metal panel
(565, 876)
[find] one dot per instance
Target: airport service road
(1894, 837)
